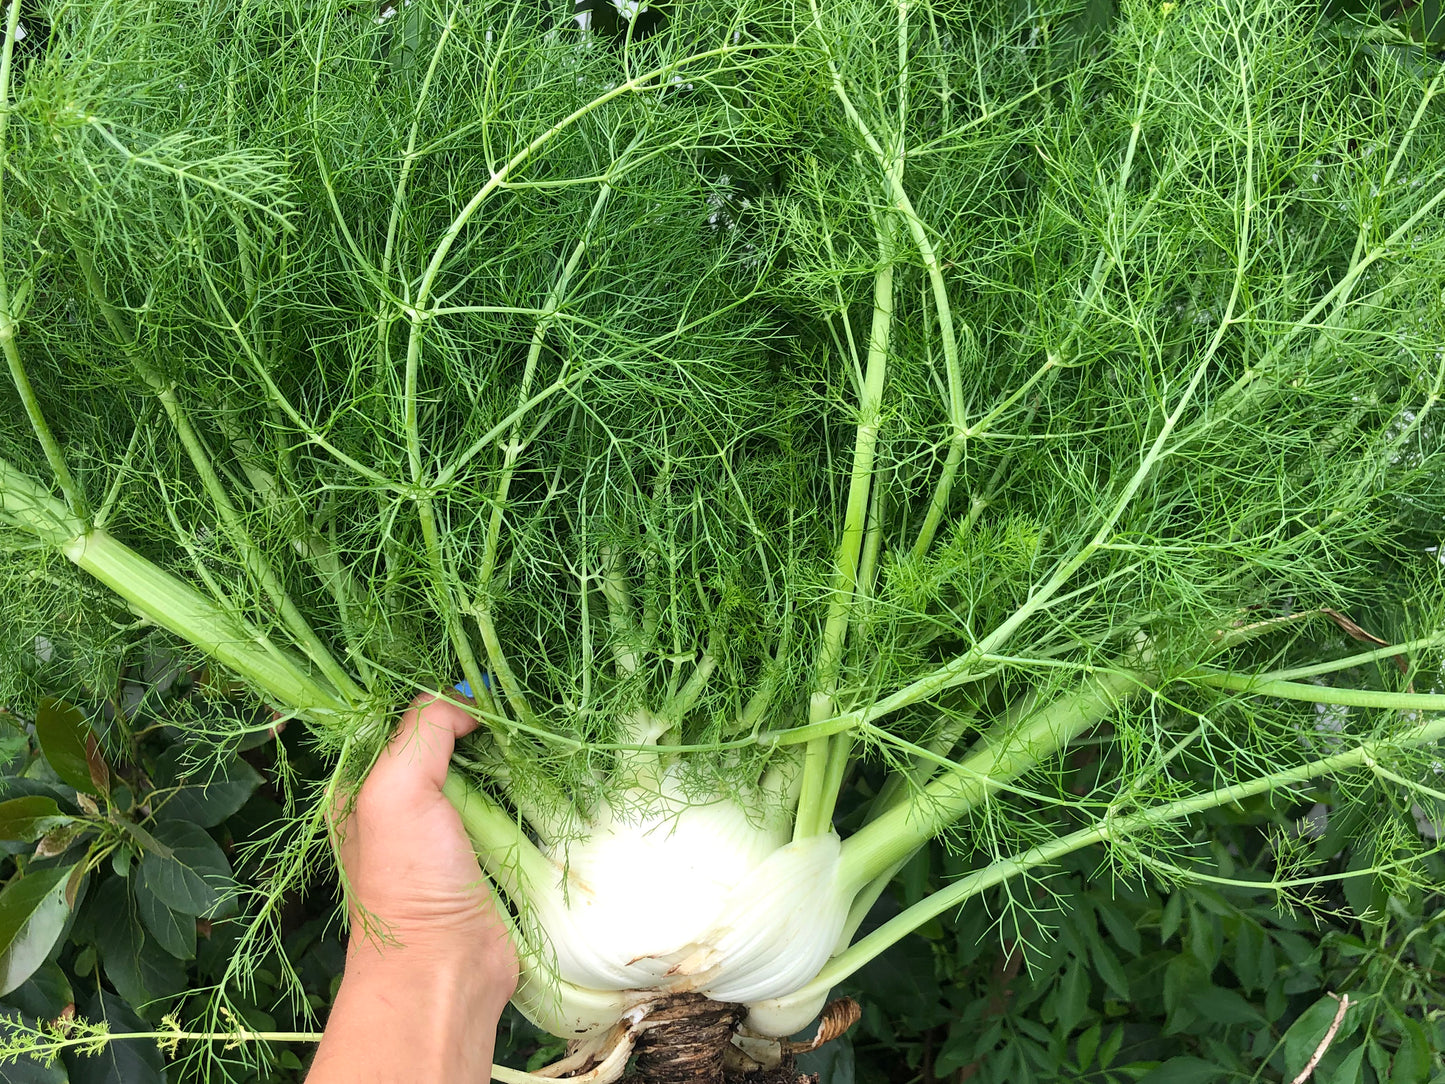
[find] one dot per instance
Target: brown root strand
(688, 1039)
(685, 1041)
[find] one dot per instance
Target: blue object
(465, 687)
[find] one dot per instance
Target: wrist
(420, 1011)
(446, 969)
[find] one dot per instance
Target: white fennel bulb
(692, 897)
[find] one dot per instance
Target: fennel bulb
(692, 897)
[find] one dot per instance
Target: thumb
(421, 748)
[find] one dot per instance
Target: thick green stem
(506, 855)
(902, 830)
(816, 804)
(163, 599)
(1115, 827)
(226, 512)
(891, 162)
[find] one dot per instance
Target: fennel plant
(804, 382)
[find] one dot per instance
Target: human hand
(430, 965)
(412, 877)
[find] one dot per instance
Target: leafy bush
(1104, 980)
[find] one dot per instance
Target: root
(686, 1040)
(691, 1039)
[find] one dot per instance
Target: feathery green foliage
(797, 384)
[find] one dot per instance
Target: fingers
(422, 746)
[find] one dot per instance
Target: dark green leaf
(1299, 950)
(1413, 1058)
(1275, 1000)
(63, 731)
(1183, 978)
(1110, 970)
(832, 1062)
(1171, 916)
(1221, 1006)
(196, 878)
(1184, 1070)
(1072, 999)
(173, 931)
(1364, 891)
(208, 794)
(1088, 1044)
(1110, 1050)
(1248, 952)
(30, 817)
(1305, 1034)
(1380, 1060)
(44, 995)
(960, 1048)
(135, 964)
(1124, 932)
(1206, 941)
(129, 1061)
(33, 911)
(1348, 1071)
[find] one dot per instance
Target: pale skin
(430, 965)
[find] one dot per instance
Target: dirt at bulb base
(687, 1041)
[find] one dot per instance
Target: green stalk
(1104, 265)
(512, 451)
(408, 160)
(309, 544)
(1322, 694)
(900, 831)
(1110, 827)
(54, 456)
(1390, 651)
(200, 458)
(165, 600)
(891, 162)
(815, 805)
(426, 513)
(507, 856)
(51, 1044)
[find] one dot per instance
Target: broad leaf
(195, 878)
(1349, 1069)
(33, 911)
(1072, 998)
(1223, 1006)
(44, 995)
(63, 734)
(208, 794)
(1110, 970)
(135, 964)
(30, 817)
(1088, 1045)
(173, 931)
(1308, 1030)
